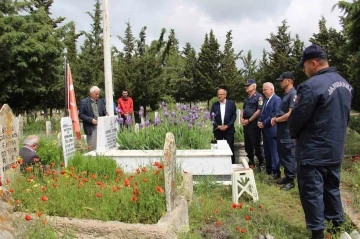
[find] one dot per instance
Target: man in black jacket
(318, 124)
(224, 115)
(91, 108)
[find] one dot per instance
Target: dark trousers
(286, 150)
(252, 138)
(271, 155)
(320, 195)
(223, 135)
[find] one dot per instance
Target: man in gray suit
(91, 108)
(28, 151)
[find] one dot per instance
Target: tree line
(33, 43)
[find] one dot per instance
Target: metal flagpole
(66, 95)
(107, 61)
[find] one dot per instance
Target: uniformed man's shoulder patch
(260, 101)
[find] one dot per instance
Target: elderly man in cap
(285, 145)
(318, 124)
(252, 133)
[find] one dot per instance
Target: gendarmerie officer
(318, 122)
(252, 133)
(285, 145)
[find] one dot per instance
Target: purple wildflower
(166, 114)
(117, 110)
(147, 123)
(128, 120)
(212, 114)
(141, 125)
(190, 126)
(121, 120)
(173, 114)
(141, 111)
(157, 121)
(186, 118)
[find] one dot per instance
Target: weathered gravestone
(9, 142)
(48, 127)
(137, 128)
(170, 171)
(6, 210)
(238, 115)
(106, 134)
(67, 138)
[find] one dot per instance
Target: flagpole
(66, 94)
(107, 61)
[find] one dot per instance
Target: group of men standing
(304, 132)
(268, 115)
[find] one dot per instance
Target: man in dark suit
(91, 108)
(224, 116)
(28, 151)
(271, 106)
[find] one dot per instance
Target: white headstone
(238, 115)
(9, 141)
(48, 127)
(21, 125)
(106, 134)
(142, 118)
(137, 127)
(156, 115)
(67, 138)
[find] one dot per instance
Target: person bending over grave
(28, 151)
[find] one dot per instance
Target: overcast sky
(251, 21)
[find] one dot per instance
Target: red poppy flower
(234, 205)
(159, 189)
(218, 223)
(237, 228)
(28, 169)
(126, 182)
(138, 171)
(328, 236)
(144, 169)
(28, 217)
(247, 217)
(251, 209)
(62, 165)
(39, 214)
(44, 198)
(54, 172)
(56, 179)
(118, 187)
(18, 201)
(160, 166)
(133, 198)
(93, 176)
(118, 170)
(13, 166)
(156, 171)
(54, 185)
(239, 205)
(260, 206)
(19, 161)
(156, 163)
(99, 183)
(11, 190)
(62, 172)
(98, 195)
(243, 230)
(136, 191)
(43, 188)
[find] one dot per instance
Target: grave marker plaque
(67, 138)
(106, 134)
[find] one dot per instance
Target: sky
(251, 21)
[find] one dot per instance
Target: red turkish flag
(72, 104)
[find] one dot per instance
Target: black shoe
(317, 234)
(290, 185)
(275, 176)
(282, 181)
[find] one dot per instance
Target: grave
(67, 138)
(106, 134)
(9, 142)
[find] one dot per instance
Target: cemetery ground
(211, 211)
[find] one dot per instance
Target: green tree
(228, 71)
(91, 56)
(351, 24)
(208, 68)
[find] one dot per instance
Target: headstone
(9, 141)
(6, 217)
(21, 125)
(142, 118)
(37, 119)
(188, 186)
(238, 115)
(48, 127)
(345, 235)
(137, 127)
(355, 234)
(170, 171)
(106, 134)
(156, 115)
(67, 138)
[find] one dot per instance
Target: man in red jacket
(126, 107)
